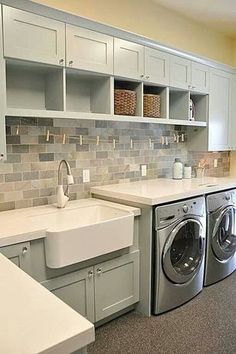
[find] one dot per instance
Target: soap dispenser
(178, 169)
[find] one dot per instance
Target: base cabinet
(20, 255)
(102, 290)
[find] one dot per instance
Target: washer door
(224, 234)
(183, 251)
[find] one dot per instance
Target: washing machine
(221, 236)
(179, 252)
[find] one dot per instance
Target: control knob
(185, 208)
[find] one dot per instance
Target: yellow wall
(151, 20)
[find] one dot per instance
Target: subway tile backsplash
(36, 145)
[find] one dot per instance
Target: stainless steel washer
(179, 250)
(221, 236)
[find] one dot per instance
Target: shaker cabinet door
(20, 255)
(89, 50)
(200, 77)
(157, 66)
(180, 72)
(31, 37)
(116, 284)
(76, 290)
(232, 114)
(128, 59)
(218, 110)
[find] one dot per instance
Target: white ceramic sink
(86, 232)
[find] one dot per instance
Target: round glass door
(224, 234)
(183, 251)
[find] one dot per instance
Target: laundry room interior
(117, 176)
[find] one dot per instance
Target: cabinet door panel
(157, 66)
(128, 59)
(218, 110)
(32, 37)
(89, 50)
(179, 72)
(116, 284)
(20, 255)
(200, 77)
(76, 290)
(232, 114)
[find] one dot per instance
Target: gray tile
(30, 175)
(13, 177)
(20, 149)
(7, 206)
(101, 154)
(46, 157)
(13, 139)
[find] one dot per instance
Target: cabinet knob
(90, 274)
(71, 62)
(1, 156)
(142, 76)
(147, 77)
(189, 86)
(193, 87)
(99, 271)
(61, 61)
(24, 250)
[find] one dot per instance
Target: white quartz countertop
(162, 190)
(35, 321)
(32, 223)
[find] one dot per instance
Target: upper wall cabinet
(218, 110)
(199, 77)
(32, 37)
(189, 75)
(180, 72)
(157, 65)
(232, 114)
(128, 59)
(89, 50)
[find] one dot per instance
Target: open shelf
(163, 92)
(34, 87)
(134, 86)
(201, 106)
(179, 104)
(87, 92)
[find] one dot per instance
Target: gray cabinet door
(76, 290)
(32, 37)
(20, 255)
(180, 72)
(232, 114)
(116, 285)
(157, 66)
(89, 50)
(200, 77)
(128, 59)
(218, 124)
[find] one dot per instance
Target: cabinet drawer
(20, 255)
(89, 50)
(32, 37)
(76, 290)
(116, 285)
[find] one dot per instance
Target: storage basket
(125, 102)
(152, 105)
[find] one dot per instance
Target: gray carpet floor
(206, 324)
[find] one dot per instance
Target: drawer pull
(24, 250)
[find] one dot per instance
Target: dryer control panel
(169, 213)
(222, 199)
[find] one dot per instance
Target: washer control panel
(167, 214)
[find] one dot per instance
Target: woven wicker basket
(125, 102)
(151, 105)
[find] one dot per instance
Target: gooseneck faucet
(63, 195)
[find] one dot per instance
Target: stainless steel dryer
(221, 236)
(179, 240)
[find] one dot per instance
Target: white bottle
(177, 169)
(187, 171)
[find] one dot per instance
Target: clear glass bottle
(177, 169)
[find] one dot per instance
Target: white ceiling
(218, 14)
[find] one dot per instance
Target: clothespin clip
(17, 129)
(48, 135)
(63, 139)
(166, 140)
(97, 140)
(182, 137)
(150, 142)
(114, 143)
(131, 143)
(81, 139)
(177, 138)
(162, 140)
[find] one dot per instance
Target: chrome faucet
(63, 196)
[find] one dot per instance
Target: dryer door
(224, 234)
(184, 251)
